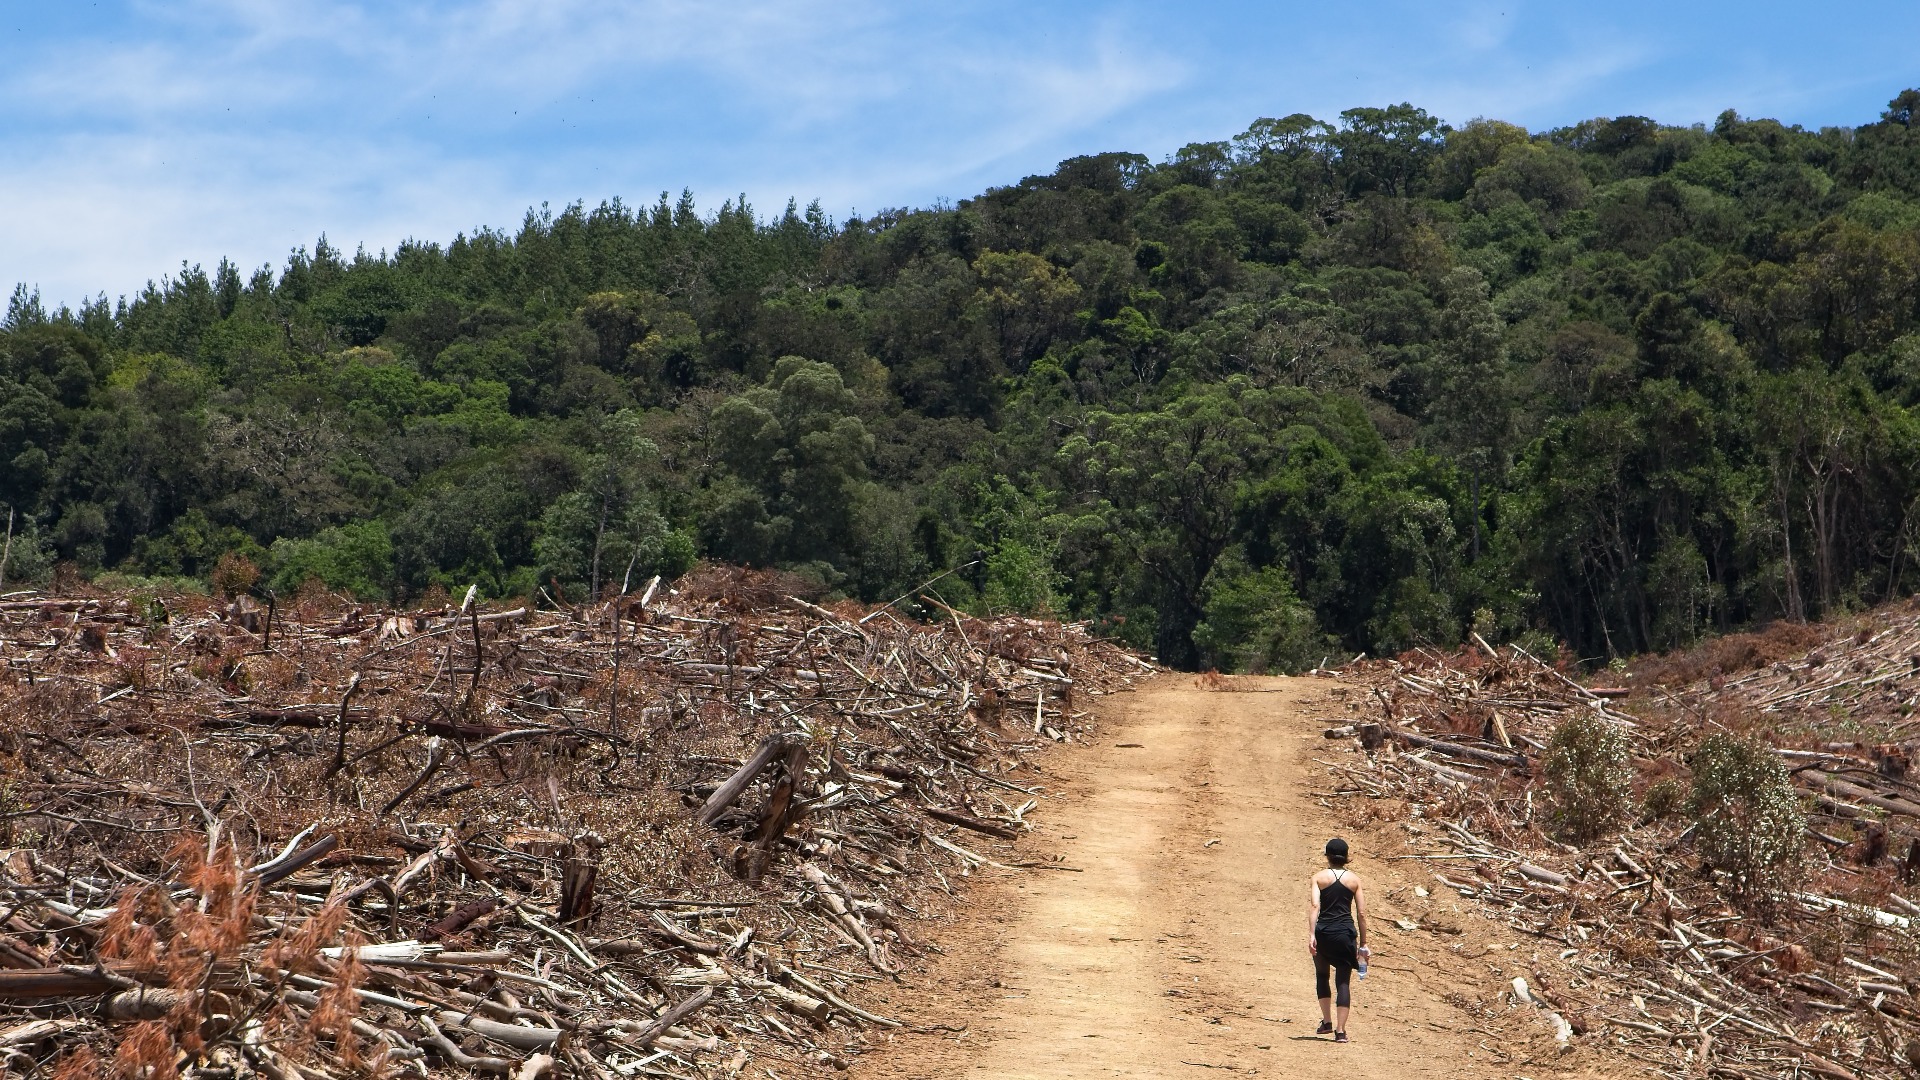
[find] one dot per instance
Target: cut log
(1492, 757)
(55, 982)
(451, 1050)
(35, 1031)
(828, 891)
(729, 792)
(436, 756)
(1540, 873)
(953, 817)
(459, 919)
(281, 869)
(679, 935)
(147, 1003)
(783, 808)
(1439, 770)
(14, 954)
(678, 1012)
(577, 878)
(522, 1038)
(1857, 793)
(306, 716)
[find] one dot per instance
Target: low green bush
(1664, 799)
(1746, 813)
(1589, 777)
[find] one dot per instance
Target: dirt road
(1181, 943)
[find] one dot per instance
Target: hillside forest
(1318, 389)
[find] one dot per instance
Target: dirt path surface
(1180, 946)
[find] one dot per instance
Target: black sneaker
(1325, 1028)
(1339, 1036)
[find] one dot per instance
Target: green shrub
(1021, 578)
(1748, 817)
(1664, 799)
(26, 558)
(191, 547)
(356, 559)
(1021, 534)
(1589, 775)
(1254, 622)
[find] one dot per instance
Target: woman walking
(1336, 935)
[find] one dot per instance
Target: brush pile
(1727, 898)
(663, 836)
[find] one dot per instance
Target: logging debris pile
(663, 836)
(1646, 949)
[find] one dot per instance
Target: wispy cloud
(153, 131)
(245, 127)
(251, 124)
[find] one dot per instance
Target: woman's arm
(1360, 914)
(1313, 915)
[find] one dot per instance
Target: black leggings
(1334, 952)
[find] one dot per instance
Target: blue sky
(135, 136)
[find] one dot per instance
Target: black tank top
(1336, 904)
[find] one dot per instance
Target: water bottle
(1364, 954)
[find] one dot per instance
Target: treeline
(1320, 388)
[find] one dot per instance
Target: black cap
(1337, 849)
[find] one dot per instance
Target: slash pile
(661, 836)
(1642, 949)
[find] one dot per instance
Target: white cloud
(1484, 26)
(1541, 87)
(111, 213)
(196, 128)
(243, 127)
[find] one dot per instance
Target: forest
(1320, 389)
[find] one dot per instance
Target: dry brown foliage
(1809, 968)
(207, 809)
(1731, 655)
